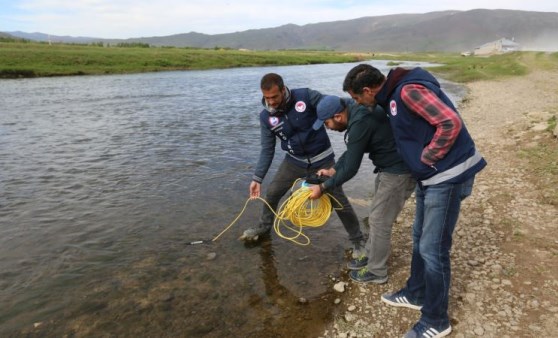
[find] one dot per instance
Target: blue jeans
(437, 212)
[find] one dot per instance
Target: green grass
(551, 124)
(463, 69)
(542, 159)
(31, 59)
(25, 59)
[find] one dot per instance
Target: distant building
(497, 47)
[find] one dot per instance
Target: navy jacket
(304, 146)
(412, 132)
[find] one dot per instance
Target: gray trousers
(391, 192)
(284, 179)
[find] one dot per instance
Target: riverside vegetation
(21, 58)
(29, 59)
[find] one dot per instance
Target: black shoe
(357, 263)
(423, 330)
(365, 276)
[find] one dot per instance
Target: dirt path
(505, 254)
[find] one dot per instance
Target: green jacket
(367, 132)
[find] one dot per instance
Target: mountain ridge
(444, 31)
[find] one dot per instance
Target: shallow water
(106, 179)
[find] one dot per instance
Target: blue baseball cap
(328, 106)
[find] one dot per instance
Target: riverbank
(25, 60)
(33, 59)
(505, 271)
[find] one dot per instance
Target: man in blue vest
(288, 116)
(367, 131)
(436, 146)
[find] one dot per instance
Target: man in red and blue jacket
(436, 146)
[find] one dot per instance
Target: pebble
(339, 287)
(479, 331)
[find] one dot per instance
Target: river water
(106, 180)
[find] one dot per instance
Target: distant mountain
(42, 37)
(451, 31)
(7, 36)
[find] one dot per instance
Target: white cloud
(129, 18)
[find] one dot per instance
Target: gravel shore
(505, 253)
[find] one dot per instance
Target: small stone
(349, 317)
(473, 262)
(339, 287)
(167, 297)
(496, 268)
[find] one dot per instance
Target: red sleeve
(447, 122)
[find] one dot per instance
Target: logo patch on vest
(393, 108)
(273, 121)
(300, 106)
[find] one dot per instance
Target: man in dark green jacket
(367, 131)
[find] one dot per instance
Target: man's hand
(255, 189)
(326, 172)
(316, 191)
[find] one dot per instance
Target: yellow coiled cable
(299, 210)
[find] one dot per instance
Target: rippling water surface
(106, 179)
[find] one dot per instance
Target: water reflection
(287, 314)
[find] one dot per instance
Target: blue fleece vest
(305, 146)
(412, 133)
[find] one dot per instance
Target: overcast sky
(143, 18)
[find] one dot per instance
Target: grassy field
(465, 69)
(29, 59)
(18, 59)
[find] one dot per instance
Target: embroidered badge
(300, 106)
(393, 107)
(273, 121)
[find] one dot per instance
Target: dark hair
(361, 76)
(271, 79)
